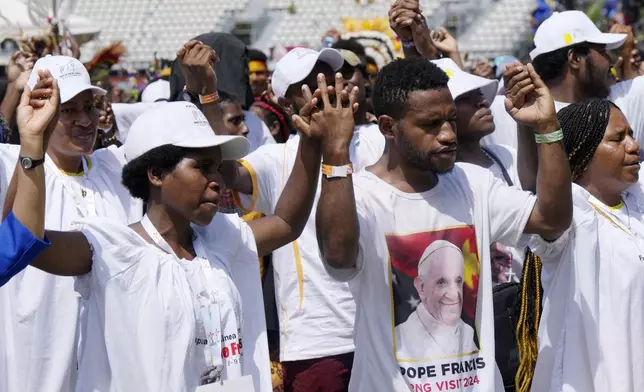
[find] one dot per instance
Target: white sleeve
(113, 247)
(509, 209)
(8, 159)
(551, 252)
(126, 291)
(265, 165)
(629, 97)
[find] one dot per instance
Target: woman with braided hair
(587, 287)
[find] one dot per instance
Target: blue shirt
(18, 248)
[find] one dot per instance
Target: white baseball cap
(461, 82)
(180, 124)
(563, 29)
(297, 64)
(155, 91)
(71, 74)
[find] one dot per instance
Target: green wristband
(549, 137)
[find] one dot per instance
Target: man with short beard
(571, 56)
(373, 231)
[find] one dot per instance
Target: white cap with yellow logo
(461, 82)
(563, 29)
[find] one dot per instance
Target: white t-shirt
(506, 261)
(468, 208)
(627, 95)
(39, 312)
(316, 312)
(590, 334)
(144, 330)
(258, 132)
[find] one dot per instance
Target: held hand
(334, 123)
(38, 111)
(444, 42)
(528, 100)
(401, 15)
(19, 68)
(197, 60)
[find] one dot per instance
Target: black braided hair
(583, 125)
(530, 294)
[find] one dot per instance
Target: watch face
(26, 163)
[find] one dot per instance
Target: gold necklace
(611, 220)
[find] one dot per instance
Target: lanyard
(206, 295)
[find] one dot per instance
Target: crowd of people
(328, 225)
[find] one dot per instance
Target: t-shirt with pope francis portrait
(438, 315)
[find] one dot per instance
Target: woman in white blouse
(592, 323)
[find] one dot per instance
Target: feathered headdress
(49, 16)
(376, 36)
(99, 66)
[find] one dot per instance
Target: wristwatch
(29, 163)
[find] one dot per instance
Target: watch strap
(33, 163)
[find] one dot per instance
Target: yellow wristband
(337, 171)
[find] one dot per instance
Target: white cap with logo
(180, 124)
(461, 82)
(563, 29)
(71, 74)
(297, 64)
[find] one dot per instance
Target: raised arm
(37, 117)
(18, 71)
(529, 102)
(197, 61)
(336, 219)
(197, 64)
(295, 203)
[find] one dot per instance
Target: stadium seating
(500, 30)
(312, 18)
(161, 26)
(149, 26)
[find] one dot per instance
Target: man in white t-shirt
(373, 231)
(571, 56)
(440, 288)
(316, 312)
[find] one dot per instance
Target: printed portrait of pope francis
(435, 329)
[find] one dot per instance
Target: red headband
(280, 116)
